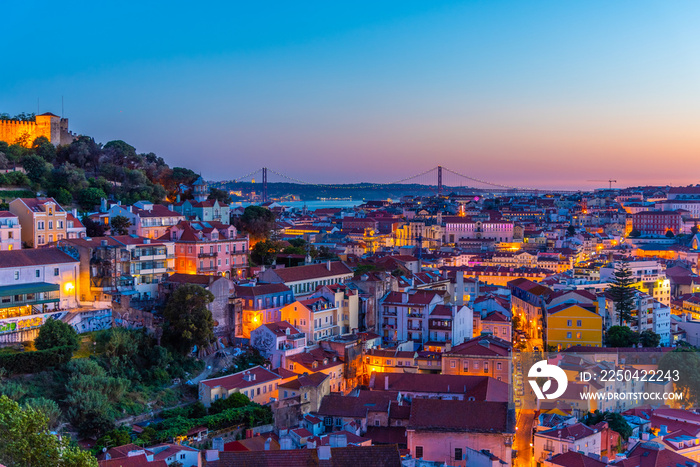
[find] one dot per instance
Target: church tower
(200, 190)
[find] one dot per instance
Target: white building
(277, 342)
(577, 437)
(457, 228)
(35, 285)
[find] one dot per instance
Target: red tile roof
(135, 461)
(483, 345)
(481, 388)
(260, 290)
(33, 257)
(357, 406)
(474, 416)
(238, 380)
(313, 271)
(576, 459)
(571, 432)
(352, 456)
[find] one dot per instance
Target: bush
(56, 333)
(34, 362)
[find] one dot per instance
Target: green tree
(621, 336)
(221, 196)
(649, 338)
(61, 195)
(188, 320)
(92, 228)
(258, 221)
(116, 437)
(635, 233)
(264, 252)
(570, 231)
(686, 361)
(233, 401)
(48, 407)
(622, 291)
(670, 234)
(56, 333)
(616, 422)
(88, 198)
(26, 441)
(44, 149)
(119, 225)
(37, 168)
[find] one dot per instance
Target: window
(458, 454)
(50, 225)
(578, 323)
(16, 275)
(568, 335)
(453, 363)
(578, 335)
(40, 225)
(466, 365)
(37, 273)
(498, 365)
(419, 452)
(486, 367)
(568, 322)
(258, 391)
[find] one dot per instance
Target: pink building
(209, 248)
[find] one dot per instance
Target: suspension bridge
(441, 179)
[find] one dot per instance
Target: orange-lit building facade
(209, 248)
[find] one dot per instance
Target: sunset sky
(536, 93)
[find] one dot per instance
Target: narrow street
(523, 438)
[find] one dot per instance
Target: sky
(547, 94)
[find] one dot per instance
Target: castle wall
(52, 127)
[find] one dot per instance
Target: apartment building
(147, 219)
(209, 248)
(118, 266)
(43, 220)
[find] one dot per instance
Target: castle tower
(49, 125)
(200, 190)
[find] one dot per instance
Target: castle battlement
(51, 126)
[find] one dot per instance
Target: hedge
(34, 362)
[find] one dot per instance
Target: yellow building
(43, 220)
(258, 384)
(570, 324)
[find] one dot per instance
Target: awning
(36, 287)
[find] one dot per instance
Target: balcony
(208, 268)
(211, 254)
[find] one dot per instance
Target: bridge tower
(439, 180)
(264, 184)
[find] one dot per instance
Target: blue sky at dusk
(542, 93)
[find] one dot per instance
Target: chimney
(177, 198)
(328, 265)
(386, 382)
(268, 441)
(211, 455)
(324, 453)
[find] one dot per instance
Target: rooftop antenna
(61, 106)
